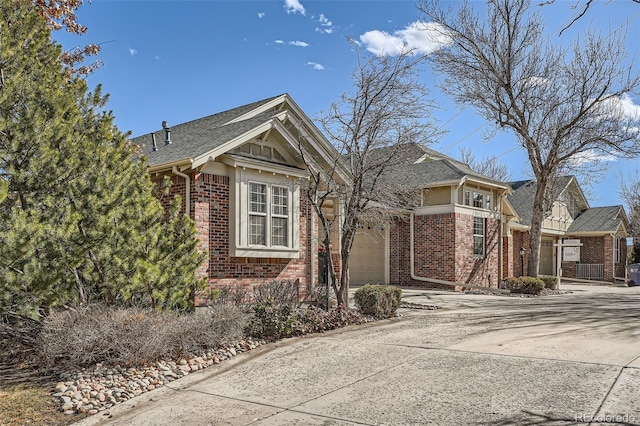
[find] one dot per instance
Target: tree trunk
(535, 232)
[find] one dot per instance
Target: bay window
(279, 216)
(269, 215)
(478, 199)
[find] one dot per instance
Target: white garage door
(367, 265)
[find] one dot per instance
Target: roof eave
(186, 162)
(233, 143)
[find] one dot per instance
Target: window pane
(467, 198)
(257, 230)
(478, 236)
(488, 205)
(477, 200)
(478, 246)
(279, 200)
(279, 231)
(257, 198)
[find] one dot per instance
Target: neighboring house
(602, 231)
(454, 235)
(242, 180)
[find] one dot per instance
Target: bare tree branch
(564, 105)
(488, 166)
(368, 128)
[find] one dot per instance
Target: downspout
(436, 281)
(187, 198)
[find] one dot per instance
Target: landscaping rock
(99, 388)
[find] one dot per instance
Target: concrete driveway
(485, 360)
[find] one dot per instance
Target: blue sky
(182, 60)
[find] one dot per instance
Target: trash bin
(633, 274)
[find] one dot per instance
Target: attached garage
(368, 261)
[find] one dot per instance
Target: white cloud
(316, 66)
(294, 6)
(292, 43)
(261, 15)
(418, 37)
(628, 108)
(326, 26)
(590, 156)
(132, 51)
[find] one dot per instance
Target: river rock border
(99, 388)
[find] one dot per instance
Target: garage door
(367, 265)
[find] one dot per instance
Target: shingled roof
(197, 137)
(598, 219)
(524, 192)
(416, 165)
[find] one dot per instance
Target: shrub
(271, 322)
(509, 283)
(131, 336)
(550, 281)
(317, 297)
(380, 301)
(524, 285)
(231, 295)
(277, 293)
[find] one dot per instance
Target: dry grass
(31, 404)
(25, 392)
(110, 335)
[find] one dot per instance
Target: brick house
(240, 177)
(602, 231)
(453, 236)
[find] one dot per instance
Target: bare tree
(630, 194)
(488, 166)
(564, 105)
(368, 128)
(582, 7)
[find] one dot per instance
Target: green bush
(380, 301)
(550, 281)
(524, 285)
(272, 322)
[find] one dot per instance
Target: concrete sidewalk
(486, 360)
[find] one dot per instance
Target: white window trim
(239, 214)
(483, 236)
(272, 215)
(472, 192)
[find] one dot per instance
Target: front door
(547, 263)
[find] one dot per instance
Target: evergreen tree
(80, 219)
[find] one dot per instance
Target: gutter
(436, 281)
(187, 198)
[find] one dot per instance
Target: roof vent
(153, 140)
(167, 133)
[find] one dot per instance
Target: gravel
(99, 388)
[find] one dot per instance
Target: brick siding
(520, 239)
(210, 212)
(443, 249)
